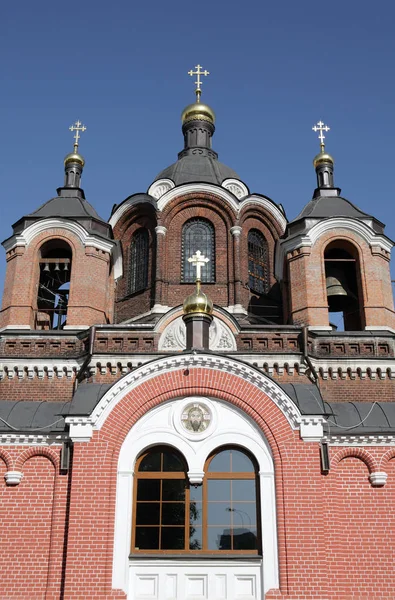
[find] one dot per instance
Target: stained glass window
(198, 234)
(139, 261)
(258, 273)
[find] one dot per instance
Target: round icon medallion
(196, 417)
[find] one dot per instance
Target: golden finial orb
(75, 156)
(198, 301)
(322, 157)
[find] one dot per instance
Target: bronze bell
(339, 294)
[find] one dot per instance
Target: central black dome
(192, 168)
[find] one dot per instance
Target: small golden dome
(74, 157)
(198, 302)
(198, 111)
(321, 158)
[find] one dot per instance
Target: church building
(180, 419)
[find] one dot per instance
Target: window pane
(171, 462)
(148, 489)
(195, 493)
(241, 462)
(173, 513)
(198, 234)
(243, 514)
(219, 538)
(195, 538)
(147, 538)
(172, 538)
(195, 513)
(258, 262)
(221, 462)
(218, 489)
(244, 489)
(173, 489)
(219, 513)
(147, 513)
(151, 462)
(245, 539)
(138, 278)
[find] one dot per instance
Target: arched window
(342, 288)
(218, 516)
(198, 234)
(54, 285)
(258, 272)
(138, 279)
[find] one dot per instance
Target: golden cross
(198, 261)
(77, 127)
(198, 82)
(321, 128)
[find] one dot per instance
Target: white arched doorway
(187, 576)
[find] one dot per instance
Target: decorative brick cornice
(191, 361)
(31, 439)
(360, 440)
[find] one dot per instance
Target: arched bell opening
(54, 285)
(342, 274)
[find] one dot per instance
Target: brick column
(236, 233)
(160, 231)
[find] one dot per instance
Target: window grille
(258, 275)
(139, 261)
(198, 234)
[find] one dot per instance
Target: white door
(183, 579)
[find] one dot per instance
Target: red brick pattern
(322, 520)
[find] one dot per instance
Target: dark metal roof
(360, 417)
(66, 206)
(323, 207)
(45, 417)
(69, 204)
(202, 169)
(307, 397)
(345, 418)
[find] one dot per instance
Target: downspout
(81, 371)
(306, 356)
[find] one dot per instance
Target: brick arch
(6, 457)
(199, 200)
(259, 213)
(387, 456)
(39, 451)
(359, 453)
(135, 212)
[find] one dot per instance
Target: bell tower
(59, 260)
(335, 259)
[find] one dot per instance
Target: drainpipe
(306, 356)
(80, 374)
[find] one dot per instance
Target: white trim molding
(232, 427)
(191, 361)
(236, 187)
(160, 187)
(13, 477)
(378, 479)
(24, 239)
(307, 239)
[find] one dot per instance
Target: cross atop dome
(321, 127)
(77, 127)
(198, 81)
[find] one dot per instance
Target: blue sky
(121, 67)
